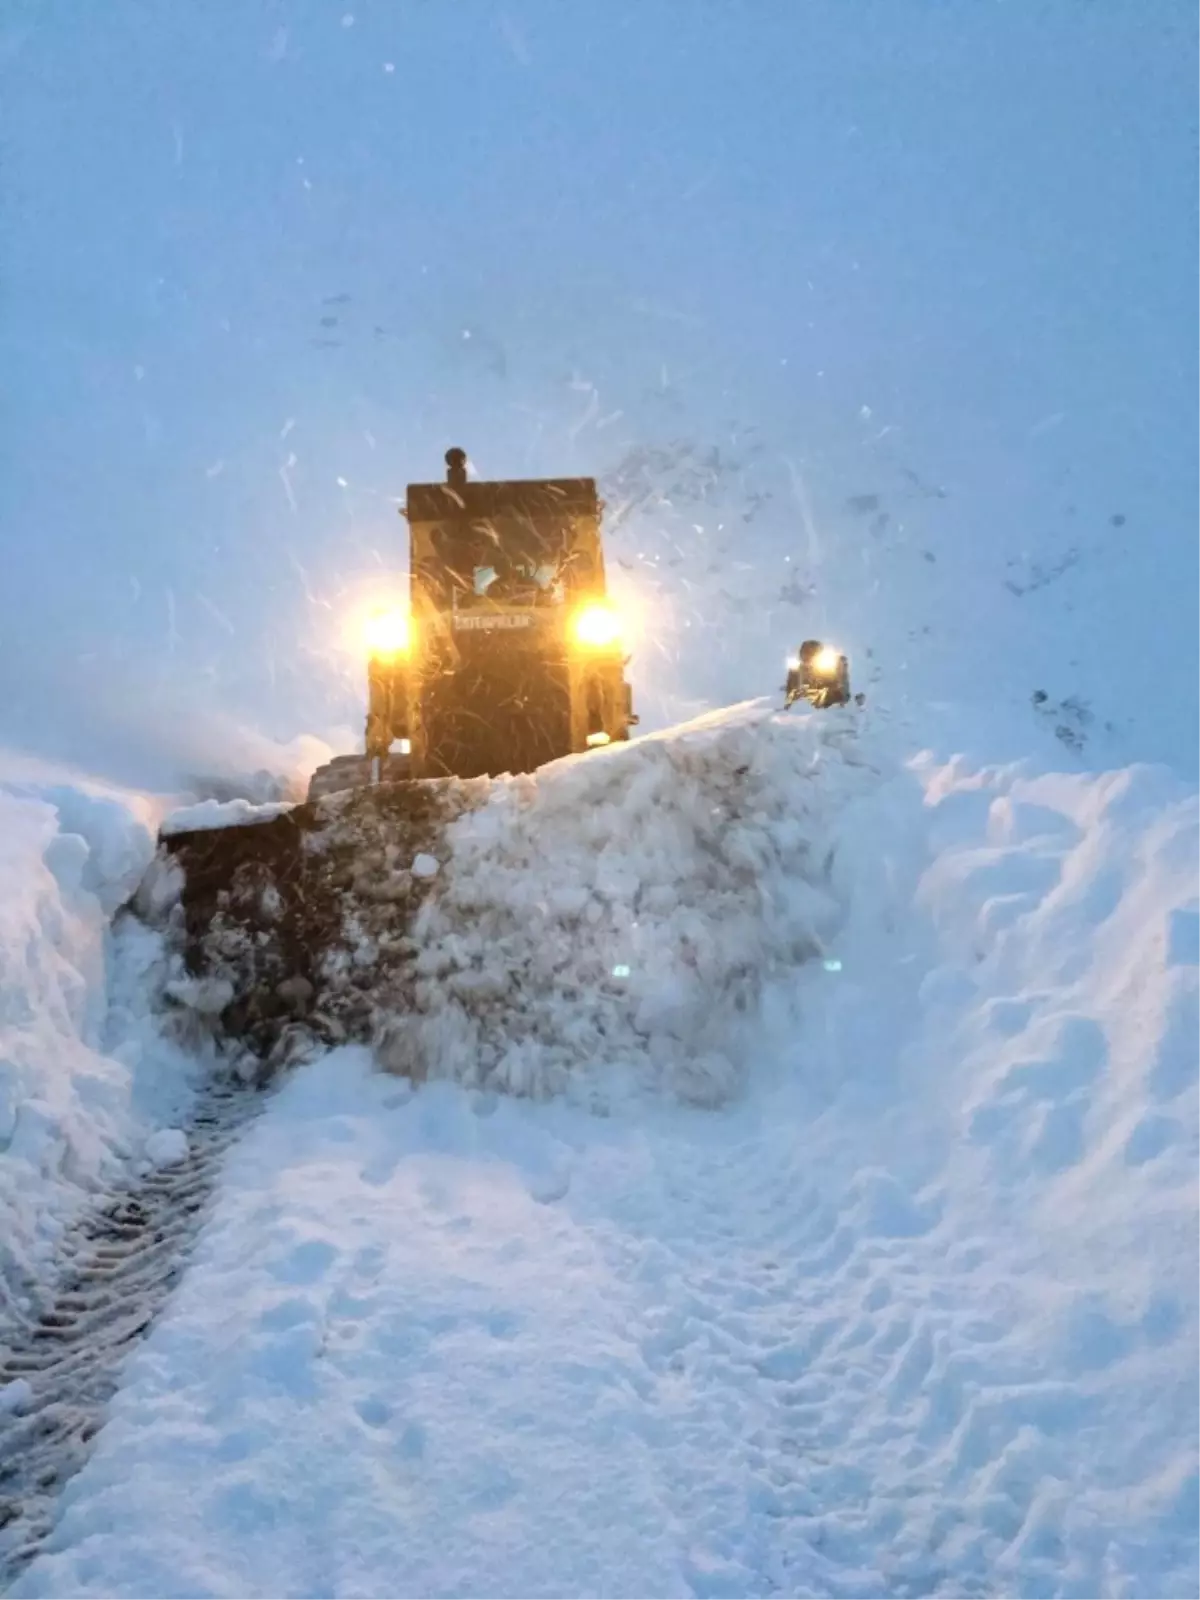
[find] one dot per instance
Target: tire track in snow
(123, 1262)
(799, 1372)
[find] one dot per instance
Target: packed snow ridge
(608, 924)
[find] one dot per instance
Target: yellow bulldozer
(294, 926)
(510, 653)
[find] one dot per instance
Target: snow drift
(84, 1074)
(607, 925)
(915, 1314)
(1071, 904)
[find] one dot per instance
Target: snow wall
(85, 1075)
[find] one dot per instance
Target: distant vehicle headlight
(826, 662)
(596, 627)
(387, 634)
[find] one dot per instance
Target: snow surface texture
(916, 1314)
(607, 924)
(84, 1073)
(221, 814)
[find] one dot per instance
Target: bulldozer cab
(520, 542)
(514, 655)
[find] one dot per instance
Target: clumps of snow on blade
(208, 814)
(608, 924)
(208, 997)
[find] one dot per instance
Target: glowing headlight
(826, 662)
(596, 627)
(386, 634)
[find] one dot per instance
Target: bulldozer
(293, 925)
(820, 675)
(509, 654)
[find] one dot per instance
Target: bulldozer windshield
(518, 543)
(520, 563)
(497, 581)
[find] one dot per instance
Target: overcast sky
(931, 263)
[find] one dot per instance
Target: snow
(15, 1396)
(116, 825)
(222, 814)
(167, 1147)
(425, 866)
(913, 1311)
(605, 926)
(1068, 912)
(84, 1070)
(207, 996)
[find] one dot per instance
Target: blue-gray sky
(922, 274)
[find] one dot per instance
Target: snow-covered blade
(601, 926)
(293, 923)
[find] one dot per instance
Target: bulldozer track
(121, 1264)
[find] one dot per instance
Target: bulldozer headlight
(596, 627)
(826, 662)
(387, 634)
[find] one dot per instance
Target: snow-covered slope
(85, 1075)
(915, 1313)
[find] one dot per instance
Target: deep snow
(87, 1073)
(606, 927)
(915, 1312)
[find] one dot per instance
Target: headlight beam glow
(596, 627)
(386, 634)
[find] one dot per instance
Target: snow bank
(83, 1075)
(916, 1314)
(116, 825)
(608, 924)
(1067, 909)
(1039, 1122)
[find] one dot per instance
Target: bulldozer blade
(299, 925)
